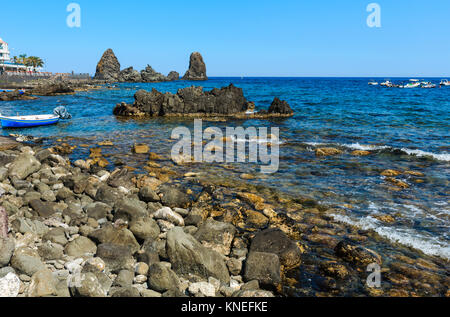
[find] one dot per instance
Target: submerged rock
(356, 254)
(197, 68)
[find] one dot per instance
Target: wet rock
(334, 269)
(263, 267)
(6, 251)
(216, 235)
(43, 284)
(173, 197)
(161, 278)
(23, 166)
(27, 261)
(145, 228)
(168, 214)
(81, 246)
(117, 236)
(197, 68)
(277, 242)
(391, 173)
(256, 219)
(360, 153)
(116, 257)
(9, 285)
(280, 107)
(397, 182)
(187, 255)
(108, 68)
(327, 151)
(356, 254)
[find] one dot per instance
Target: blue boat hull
(14, 124)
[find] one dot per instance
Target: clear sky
(237, 38)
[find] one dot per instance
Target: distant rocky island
(108, 69)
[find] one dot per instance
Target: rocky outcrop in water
(226, 101)
(149, 75)
(173, 75)
(197, 68)
(108, 68)
(15, 95)
(130, 75)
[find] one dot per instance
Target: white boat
(414, 83)
(444, 82)
(387, 83)
(28, 121)
(429, 84)
(373, 83)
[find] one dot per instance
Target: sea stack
(108, 68)
(197, 68)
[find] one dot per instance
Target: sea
(404, 129)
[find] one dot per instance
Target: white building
(5, 60)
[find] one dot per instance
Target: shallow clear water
(343, 113)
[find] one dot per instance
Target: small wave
(430, 246)
(440, 157)
(357, 146)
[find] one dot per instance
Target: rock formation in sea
(150, 75)
(130, 75)
(108, 68)
(226, 101)
(173, 75)
(197, 68)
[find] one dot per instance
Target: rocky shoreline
(79, 229)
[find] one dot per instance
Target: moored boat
(387, 83)
(28, 121)
(414, 83)
(373, 83)
(444, 82)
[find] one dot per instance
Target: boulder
(280, 107)
(89, 286)
(53, 88)
(130, 209)
(188, 256)
(148, 195)
(173, 197)
(197, 68)
(26, 261)
(263, 267)
(81, 246)
(116, 236)
(9, 285)
(356, 254)
(23, 166)
(169, 215)
(6, 251)
(43, 284)
(277, 242)
(216, 235)
(161, 278)
(116, 257)
(108, 68)
(98, 210)
(145, 228)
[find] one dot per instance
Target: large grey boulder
(23, 166)
(26, 261)
(117, 236)
(216, 235)
(187, 255)
(116, 257)
(81, 246)
(161, 278)
(263, 267)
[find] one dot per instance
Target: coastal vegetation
(29, 61)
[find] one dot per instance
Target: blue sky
(238, 38)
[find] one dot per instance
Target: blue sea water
(406, 129)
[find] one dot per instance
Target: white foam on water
(407, 237)
(357, 146)
(440, 157)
